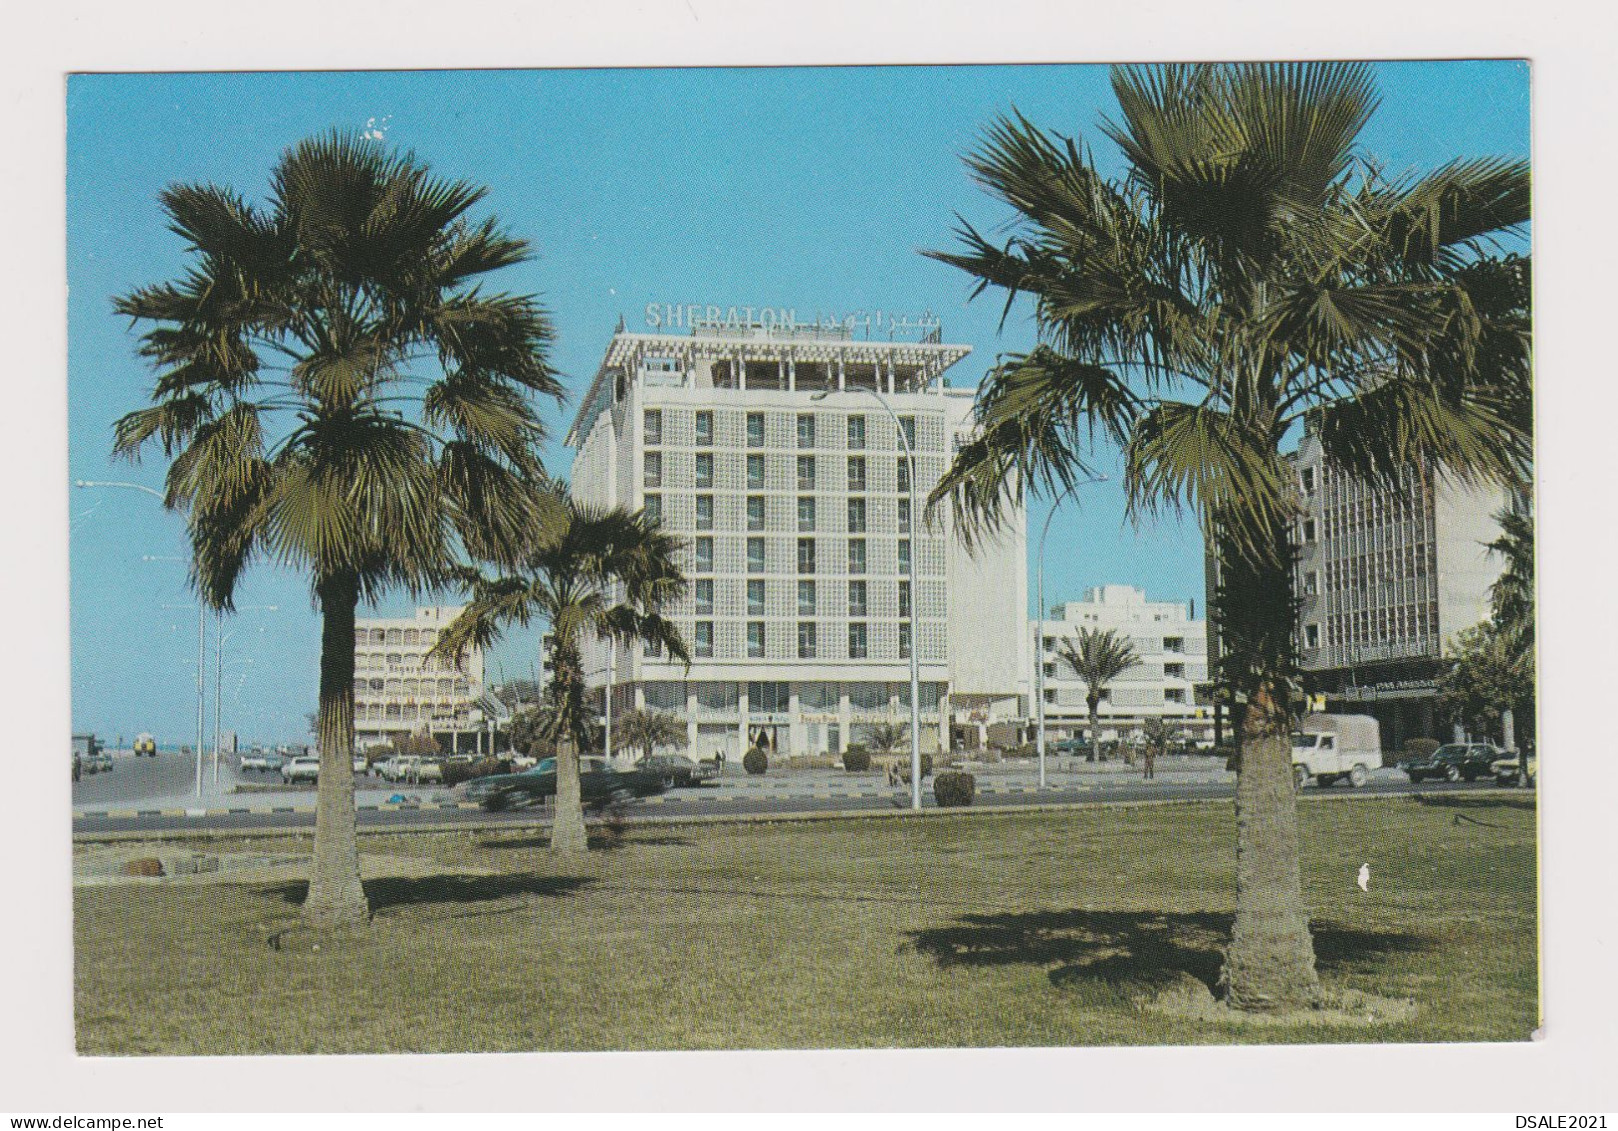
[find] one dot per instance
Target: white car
(301, 769)
(360, 763)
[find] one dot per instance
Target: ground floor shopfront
(1401, 695)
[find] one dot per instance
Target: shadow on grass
(597, 840)
(417, 891)
(1508, 799)
(1128, 947)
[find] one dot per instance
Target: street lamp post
(220, 637)
(1039, 623)
(915, 597)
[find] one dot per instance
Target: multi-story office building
(1386, 578)
(764, 446)
(398, 691)
(1172, 645)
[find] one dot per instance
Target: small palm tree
(337, 394)
(1511, 597)
(1097, 656)
(590, 573)
(647, 731)
(1250, 274)
(888, 737)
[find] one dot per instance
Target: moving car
(600, 785)
(1507, 770)
(260, 760)
(1457, 761)
(98, 762)
(306, 768)
(677, 770)
(145, 746)
(1328, 747)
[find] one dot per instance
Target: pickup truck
(1328, 747)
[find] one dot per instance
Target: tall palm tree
(646, 731)
(1511, 597)
(338, 394)
(1250, 273)
(588, 573)
(1097, 656)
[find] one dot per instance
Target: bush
(755, 761)
(926, 765)
(1413, 748)
(856, 759)
(954, 788)
(1025, 750)
(1232, 756)
(457, 772)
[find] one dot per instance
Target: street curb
(654, 821)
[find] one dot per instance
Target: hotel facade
(398, 691)
(768, 447)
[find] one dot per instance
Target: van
(1328, 747)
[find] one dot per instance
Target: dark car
(677, 770)
(600, 785)
(1457, 761)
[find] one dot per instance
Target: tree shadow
(596, 841)
(1508, 799)
(1144, 948)
(414, 891)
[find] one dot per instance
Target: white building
(763, 444)
(397, 691)
(1173, 648)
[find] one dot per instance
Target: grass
(987, 930)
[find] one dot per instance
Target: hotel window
(857, 647)
(1308, 530)
(653, 509)
(704, 555)
(755, 639)
(806, 513)
(704, 596)
(654, 469)
(904, 598)
(806, 555)
(908, 423)
(1174, 671)
(904, 643)
(704, 469)
(704, 512)
(806, 640)
(1311, 636)
(857, 603)
(856, 432)
(704, 639)
(755, 512)
(806, 429)
(806, 473)
(652, 650)
(904, 474)
(1174, 644)
(755, 555)
(755, 472)
(755, 429)
(755, 598)
(904, 516)
(806, 598)
(856, 555)
(654, 425)
(904, 556)
(1311, 583)
(856, 516)
(1174, 695)
(856, 473)
(704, 428)
(1308, 481)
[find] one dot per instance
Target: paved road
(723, 800)
(133, 779)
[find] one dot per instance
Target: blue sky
(811, 188)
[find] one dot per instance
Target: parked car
(99, 762)
(260, 760)
(677, 770)
(600, 785)
(1507, 769)
(387, 768)
(1456, 761)
(415, 769)
(360, 764)
(306, 768)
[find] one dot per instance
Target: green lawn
(986, 930)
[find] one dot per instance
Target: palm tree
(606, 574)
(646, 731)
(888, 737)
(1511, 597)
(1097, 656)
(336, 393)
(1250, 273)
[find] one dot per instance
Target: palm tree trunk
(1271, 961)
(1092, 702)
(568, 836)
(336, 896)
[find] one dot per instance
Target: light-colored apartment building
(762, 443)
(1172, 645)
(398, 691)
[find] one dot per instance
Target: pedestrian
(1150, 757)
(719, 760)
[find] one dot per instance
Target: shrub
(755, 761)
(1231, 754)
(1414, 748)
(856, 759)
(954, 788)
(457, 772)
(926, 765)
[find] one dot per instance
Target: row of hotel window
(854, 437)
(412, 687)
(652, 477)
(702, 592)
(409, 637)
(704, 559)
(1170, 695)
(775, 697)
(858, 513)
(809, 636)
(1374, 626)
(407, 712)
(382, 661)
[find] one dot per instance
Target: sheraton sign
(665, 316)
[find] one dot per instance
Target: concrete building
(397, 691)
(1172, 645)
(759, 441)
